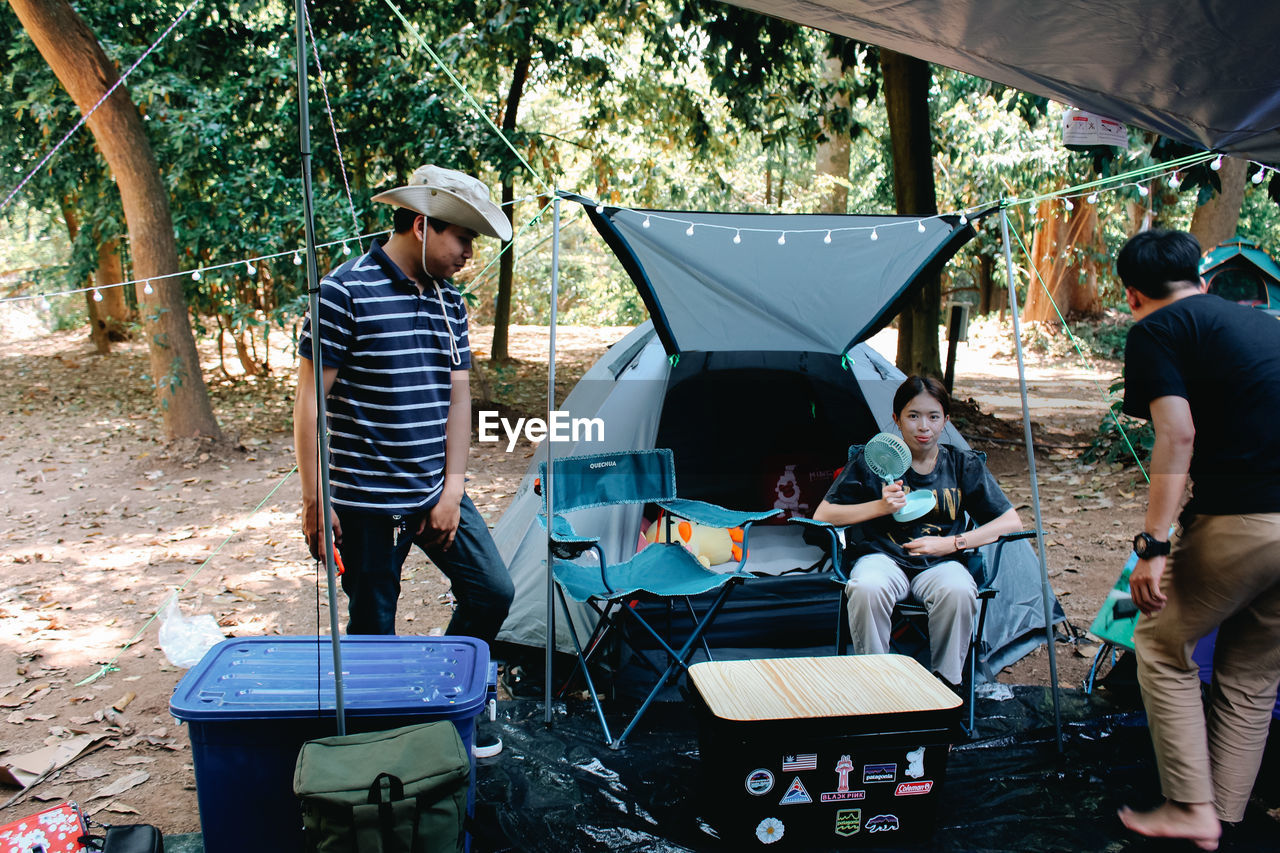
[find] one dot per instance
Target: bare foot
(1196, 822)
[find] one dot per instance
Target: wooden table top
(814, 687)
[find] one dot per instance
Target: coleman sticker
(843, 768)
(915, 764)
(796, 763)
(759, 782)
(796, 794)
(883, 823)
(848, 822)
(879, 773)
(770, 830)
(907, 789)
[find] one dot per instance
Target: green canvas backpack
(398, 791)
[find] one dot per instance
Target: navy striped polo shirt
(389, 403)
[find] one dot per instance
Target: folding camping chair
(661, 570)
(912, 615)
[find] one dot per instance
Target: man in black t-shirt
(1206, 372)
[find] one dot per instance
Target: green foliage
(1120, 437)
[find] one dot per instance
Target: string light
(964, 220)
(297, 259)
(689, 230)
(147, 288)
(1259, 175)
(827, 239)
(1142, 190)
(737, 236)
(782, 239)
(44, 303)
(1175, 180)
(1093, 198)
(1069, 205)
(645, 224)
(346, 250)
(600, 207)
(1216, 164)
(919, 226)
(249, 269)
(195, 276)
(875, 235)
(97, 295)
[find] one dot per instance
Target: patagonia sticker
(848, 822)
(796, 794)
(879, 773)
(759, 782)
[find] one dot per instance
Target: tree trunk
(986, 283)
(1064, 252)
(906, 96)
(1216, 220)
(833, 155)
(507, 263)
(113, 311)
(74, 55)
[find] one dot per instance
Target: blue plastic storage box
(252, 702)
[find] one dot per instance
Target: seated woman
(918, 558)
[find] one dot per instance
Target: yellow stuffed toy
(711, 545)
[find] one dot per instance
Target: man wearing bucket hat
(396, 352)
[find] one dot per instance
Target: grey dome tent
(753, 372)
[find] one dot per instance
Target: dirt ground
(100, 522)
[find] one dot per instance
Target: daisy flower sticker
(770, 830)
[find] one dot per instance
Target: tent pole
(322, 436)
(1046, 592)
(547, 486)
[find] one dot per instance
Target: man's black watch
(1147, 546)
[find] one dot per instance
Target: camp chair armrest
(712, 515)
(566, 542)
(1000, 543)
(833, 534)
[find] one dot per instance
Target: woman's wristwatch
(959, 542)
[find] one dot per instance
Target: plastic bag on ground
(185, 640)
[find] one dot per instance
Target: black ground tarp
(560, 789)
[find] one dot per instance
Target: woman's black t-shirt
(959, 481)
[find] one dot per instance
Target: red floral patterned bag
(59, 829)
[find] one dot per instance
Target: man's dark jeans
(373, 553)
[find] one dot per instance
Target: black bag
(138, 838)
(398, 791)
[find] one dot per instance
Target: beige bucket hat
(450, 196)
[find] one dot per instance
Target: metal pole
(322, 435)
(1046, 592)
(547, 486)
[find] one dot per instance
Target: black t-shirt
(1224, 359)
(959, 481)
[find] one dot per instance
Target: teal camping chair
(660, 570)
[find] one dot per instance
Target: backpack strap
(394, 792)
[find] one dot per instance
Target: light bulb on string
(600, 207)
(1142, 190)
(782, 239)
(964, 220)
(645, 224)
(147, 288)
(1217, 163)
(1175, 180)
(44, 303)
(97, 295)
(920, 226)
(875, 235)
(297, 259)
(249, 269)
(1259, 175)
(1093, 198)
(195, 276)
(737, 236)
(1069, 205)
(346, 249)
(689, 231)
(827, 239)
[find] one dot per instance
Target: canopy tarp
(1198, 71)
(832, 281)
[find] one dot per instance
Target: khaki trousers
(1224, 572)
(947, 591)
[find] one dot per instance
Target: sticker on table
(759, 782)
(908, 789)
(796, 763)
(879, 773)
(883, 823)
(843, 768)
(796, 794)
(848, 822)
(770, 830)
(915, 763)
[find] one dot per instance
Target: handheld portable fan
(889, 458)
